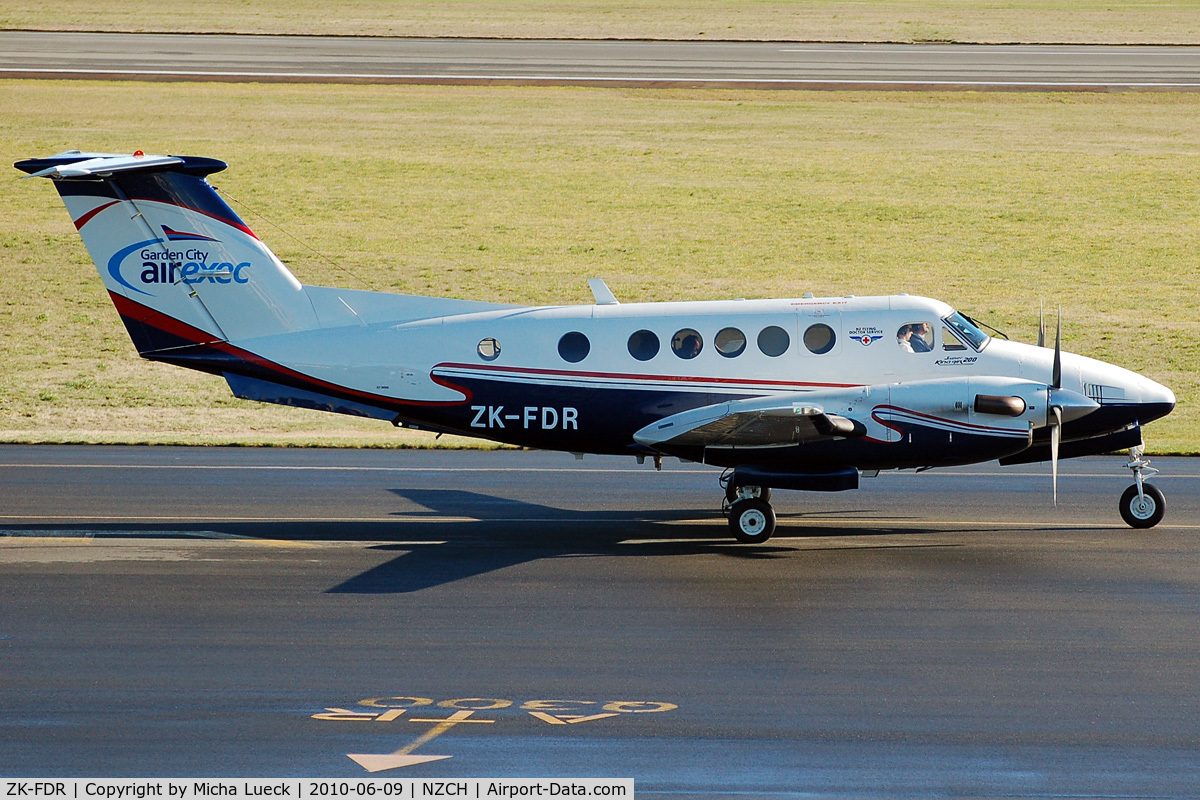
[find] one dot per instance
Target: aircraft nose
(1153, 400)
(1125, 397)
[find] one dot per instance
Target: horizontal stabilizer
(268, 392)
(101, 164)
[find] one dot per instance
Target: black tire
(731, 493)
(752, 521)
(1145, 512)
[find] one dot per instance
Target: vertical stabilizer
(179, 264)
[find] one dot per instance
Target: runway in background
(763, 65)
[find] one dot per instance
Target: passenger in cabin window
(690, 347)
(921, 340)
(915, 337)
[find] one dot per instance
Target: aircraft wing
(779, 421)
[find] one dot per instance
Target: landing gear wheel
(752, 521)
(731, 493)
(1145, 511)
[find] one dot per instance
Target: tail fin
(179, 264)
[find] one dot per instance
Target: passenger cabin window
(643, 345)
(819, 338)
(687, 343)
(574, 347)
(915, 337)
(774, 341)
(730, 342)
(488, 349)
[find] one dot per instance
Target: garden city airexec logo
(151, 263)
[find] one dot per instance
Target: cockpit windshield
(967, 330)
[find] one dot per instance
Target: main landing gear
(1142, 505)
(751, 518)
(748, 495)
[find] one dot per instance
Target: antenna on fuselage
(601, 292)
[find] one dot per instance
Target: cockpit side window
(958, 330)
(915, 337)
(950, 341)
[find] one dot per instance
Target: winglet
(603, 295)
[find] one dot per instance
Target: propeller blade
(1041, 325)
(1056, 379)
(1055, 437)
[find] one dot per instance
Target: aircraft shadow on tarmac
(461, 534)
(503, 533)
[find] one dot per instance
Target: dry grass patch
(1077, 21)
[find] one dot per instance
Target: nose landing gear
(1142, 505)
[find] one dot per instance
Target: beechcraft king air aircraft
(806, 393)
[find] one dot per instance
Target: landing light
(1003, 405)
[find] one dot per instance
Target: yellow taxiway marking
(274, 542)
(567, 719)
(333, 468)
(183, 520)
(346, 715)
(68, 536)
(786, 522)
(564, 713)
(785, 519)
(576, 467)
(378, 762)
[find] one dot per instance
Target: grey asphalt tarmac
(589, 62)
(266, 612)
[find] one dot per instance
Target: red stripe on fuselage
(196, 336)
(943, 420)
(633, 376)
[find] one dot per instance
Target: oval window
(819, 338)
(730, 342)
(774, 340)
(574, 347)
(687, 343)
(488, 349)
(643, 345)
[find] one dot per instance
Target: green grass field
(992, 202)
(1082, 21)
